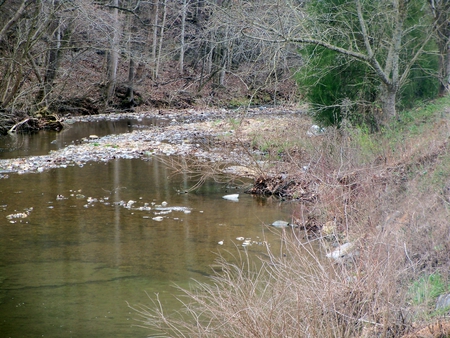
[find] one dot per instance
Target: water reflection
(68, 269)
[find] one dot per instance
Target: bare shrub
(293, 293)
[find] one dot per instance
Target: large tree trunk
(388, 96)
(53, 56)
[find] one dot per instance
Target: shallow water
(41, 143)
(84, 251)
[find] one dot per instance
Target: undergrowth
(388, 194)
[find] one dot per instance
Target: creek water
(43, 142)
(95, 239)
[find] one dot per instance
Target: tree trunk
(158, 60)
(224, 60)
(441, 12)
(53, 56)
(53, 62)
(183, 29)
(444, 69)
(155, 37)
(130, 89)
(113, 58)
(446, 76)
(388, 96)
(129, 95)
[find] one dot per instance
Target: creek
(78, 243)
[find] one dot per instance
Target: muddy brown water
(90, 244)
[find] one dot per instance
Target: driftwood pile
(287, 187)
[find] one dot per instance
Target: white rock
(18, 215)
(280, 224)
(158, 218)
(443, 302)
(220, 242)
(232, 197)
(247, 242)
(315, 130)
(342, 251)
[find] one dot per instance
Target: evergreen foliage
(339, 86)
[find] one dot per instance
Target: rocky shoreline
(203, 134)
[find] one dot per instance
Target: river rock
(247, 242)
(343, 251)
(232, 197)
(443, 302)
(315, 130)
(281, 224)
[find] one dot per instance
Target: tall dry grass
(295, 294)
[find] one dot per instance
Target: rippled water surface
(86, 249)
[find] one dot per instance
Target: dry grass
(388, 194)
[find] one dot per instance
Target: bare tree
(182, 35)
(113, 55)
(52, 61)
(161, 39)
